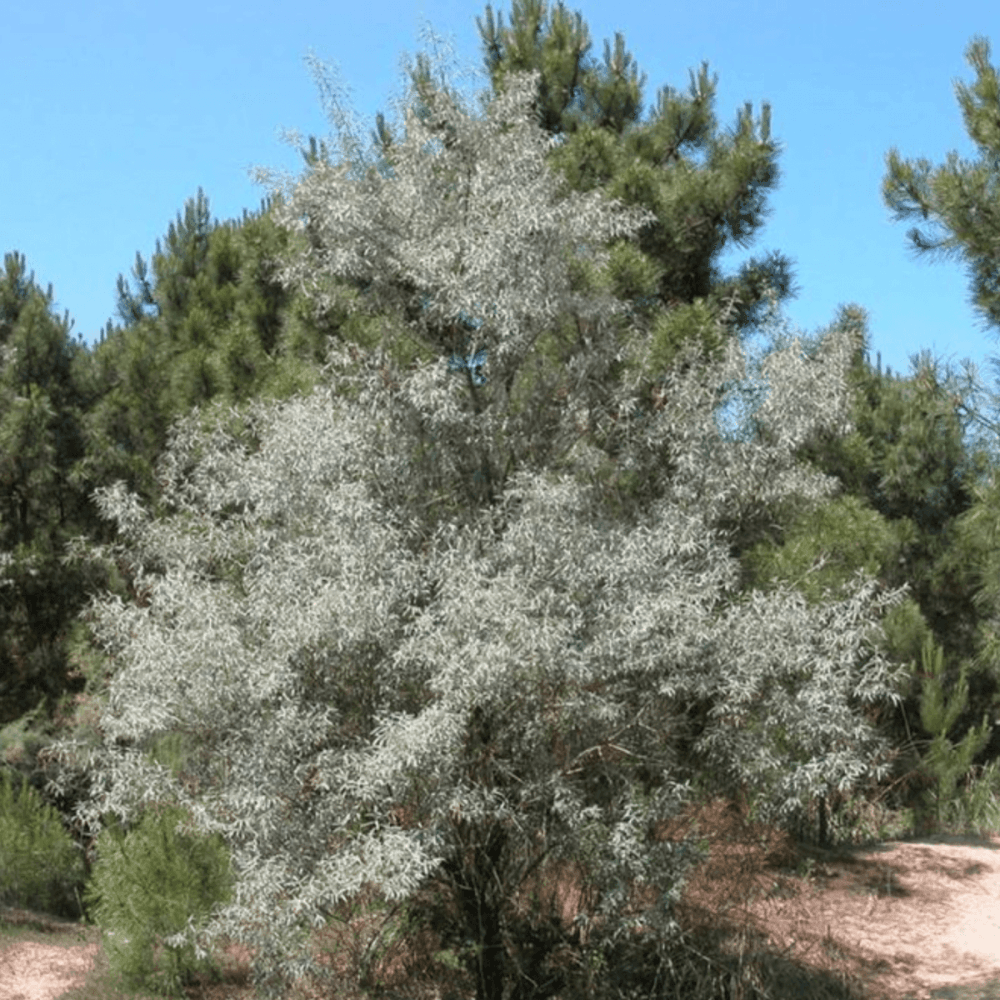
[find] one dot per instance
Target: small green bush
(39, 863)
(144, 886)
(973, 807)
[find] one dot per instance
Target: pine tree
(947, 763)
(962, 197)
(42, 503)
(213, 324)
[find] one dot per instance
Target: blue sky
(117, 112)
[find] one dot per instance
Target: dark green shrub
(973, 807)
(145, 884)
(39, 863)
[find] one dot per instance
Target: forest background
(228, 315)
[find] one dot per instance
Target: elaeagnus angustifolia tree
(371, 697)
(464, 256)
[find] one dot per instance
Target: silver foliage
(330, 677)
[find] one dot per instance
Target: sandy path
(31, 971)
(904, 917)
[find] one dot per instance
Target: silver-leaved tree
(373, 697)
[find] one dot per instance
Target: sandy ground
(30, 971)
(904, 917)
